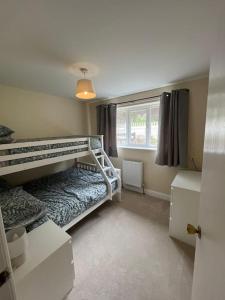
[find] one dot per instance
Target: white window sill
(137, 148)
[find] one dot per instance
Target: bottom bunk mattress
(67, 194)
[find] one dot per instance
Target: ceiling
(134, 45)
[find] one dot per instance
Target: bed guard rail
(27, 154)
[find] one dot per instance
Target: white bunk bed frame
(102, 163)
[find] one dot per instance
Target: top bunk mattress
(43, 146)
(95, 140)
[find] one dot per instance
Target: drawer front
(171, 203)
(183, 210)
(52, 279)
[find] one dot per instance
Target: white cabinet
(48, 272)
(185, 194)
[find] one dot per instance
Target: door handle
(193, 230)
(4, 277)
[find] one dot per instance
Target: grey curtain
(173, 129)
(106, 125)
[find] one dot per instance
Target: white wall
(159, 178)
(32, 115)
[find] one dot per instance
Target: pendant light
(84, 88)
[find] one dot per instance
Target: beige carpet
(122, 251)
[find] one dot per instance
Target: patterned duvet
(67, 194)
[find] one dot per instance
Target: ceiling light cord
(84, 71)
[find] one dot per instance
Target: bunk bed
(70, 195)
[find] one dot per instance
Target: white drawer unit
(48, 272)
(185, 194)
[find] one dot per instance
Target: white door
(7, 287)
(209, 271)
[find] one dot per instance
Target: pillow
(19, 208)
(4, 186)
(95, 143)
(6, 139)
(4, 131)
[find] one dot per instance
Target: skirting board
(133, 188)
(157, 195)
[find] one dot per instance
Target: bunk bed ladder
(107, 170)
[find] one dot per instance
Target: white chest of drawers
(185, 194)
(48, 272)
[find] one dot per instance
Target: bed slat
(41, 143)
(38, 163)
(40, 152)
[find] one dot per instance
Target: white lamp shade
(85, 89)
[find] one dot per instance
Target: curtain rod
(130, 101)
(152, 97)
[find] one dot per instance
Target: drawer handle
(4, 277)
(193, 230)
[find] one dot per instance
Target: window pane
(122, 127)
(154, 118)
(138, 127)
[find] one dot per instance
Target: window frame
(134, 108)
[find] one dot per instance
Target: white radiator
(133, 175)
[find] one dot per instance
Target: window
(137, 125)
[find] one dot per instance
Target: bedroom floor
(122, 251)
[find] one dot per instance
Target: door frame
(6, 258)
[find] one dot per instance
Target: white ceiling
(135, 45)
